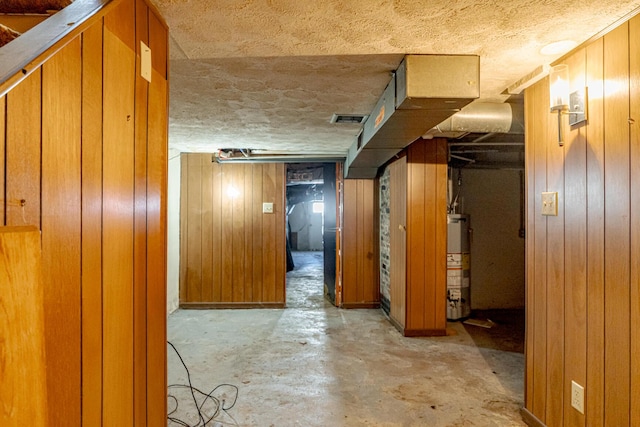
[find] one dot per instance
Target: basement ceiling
(269, 75)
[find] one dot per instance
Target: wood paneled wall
(232, 254)
(583, 274)
(360, 284)
(423, 311)
(84, 153)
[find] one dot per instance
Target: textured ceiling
(269, 74)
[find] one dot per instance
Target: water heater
(458, 274)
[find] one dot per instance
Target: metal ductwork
(424, 91)
(481, 117)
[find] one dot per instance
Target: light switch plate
(267, 208)
(145, 62)
(550, 203)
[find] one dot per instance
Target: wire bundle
(208, 407)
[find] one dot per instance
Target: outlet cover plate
(550, 203)
(577, 396)
(267, 208)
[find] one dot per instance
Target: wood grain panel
(397, 238)
(140, 224)
(256, 263)
(249, 201)
(440, 235)
(530, 303)
(540, 132)
(92, 226)
(159, 43)
(193, 238)
(279, 218)
(575, 233)
(617, 241)
(3, 205)
(370, 284)
(634, 68)
(118, 220)
(216, 228)
(23, 152)
(157, 159)
(269, 235)
(419, 214)
(206, 168)
(594, 399)
(123, 13)
(23, 389)
(350, 249)
(555, 274)
(61, 230)
(236, 172)
(185, 261)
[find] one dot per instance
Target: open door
(330, 231)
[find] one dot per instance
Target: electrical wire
(217, 406)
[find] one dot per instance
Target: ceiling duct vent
(424, 91)
(348, 118)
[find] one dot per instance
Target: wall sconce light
(559, 94)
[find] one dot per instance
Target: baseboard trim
(229, 305)
(349, 305)
(530, 419)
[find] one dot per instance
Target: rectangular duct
(424, 91)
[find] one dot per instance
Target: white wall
(308, 226)
(173, 232)
(492, 199)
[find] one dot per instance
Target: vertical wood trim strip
(594, 399)
(634, 67)
(575, 273)
(555, 273)
(540, 237)
(208, 207)
(530, 304)
(92, 226)
(118, 209)
(3, 198)
(61, 230)
(617, 240)
(440, 231)
(140, 223)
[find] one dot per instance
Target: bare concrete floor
(312, 364)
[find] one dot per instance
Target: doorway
(311, 233)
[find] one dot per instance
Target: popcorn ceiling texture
(270, 73)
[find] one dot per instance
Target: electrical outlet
(267, 208)
(577, 396)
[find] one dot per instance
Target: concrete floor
(312, 364)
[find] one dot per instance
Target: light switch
(550, 203)
(145, 62)
(267, 208)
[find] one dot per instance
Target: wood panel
(575, 234)
(540, 95)
(594, 399)
(616, 170)
(244, 260)
(530, 301)
(555, 273)
(360, 286)
(3, 205)
(426, 238)
(61, 230)
(634, 67)
(23, 389)
(92, 226)
(596, 268)
(23, 152)
(118, 219)
(157, 159)
(140, 223)
(398, 240)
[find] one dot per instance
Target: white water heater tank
(458, 271)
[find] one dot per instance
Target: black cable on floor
(203, 418)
